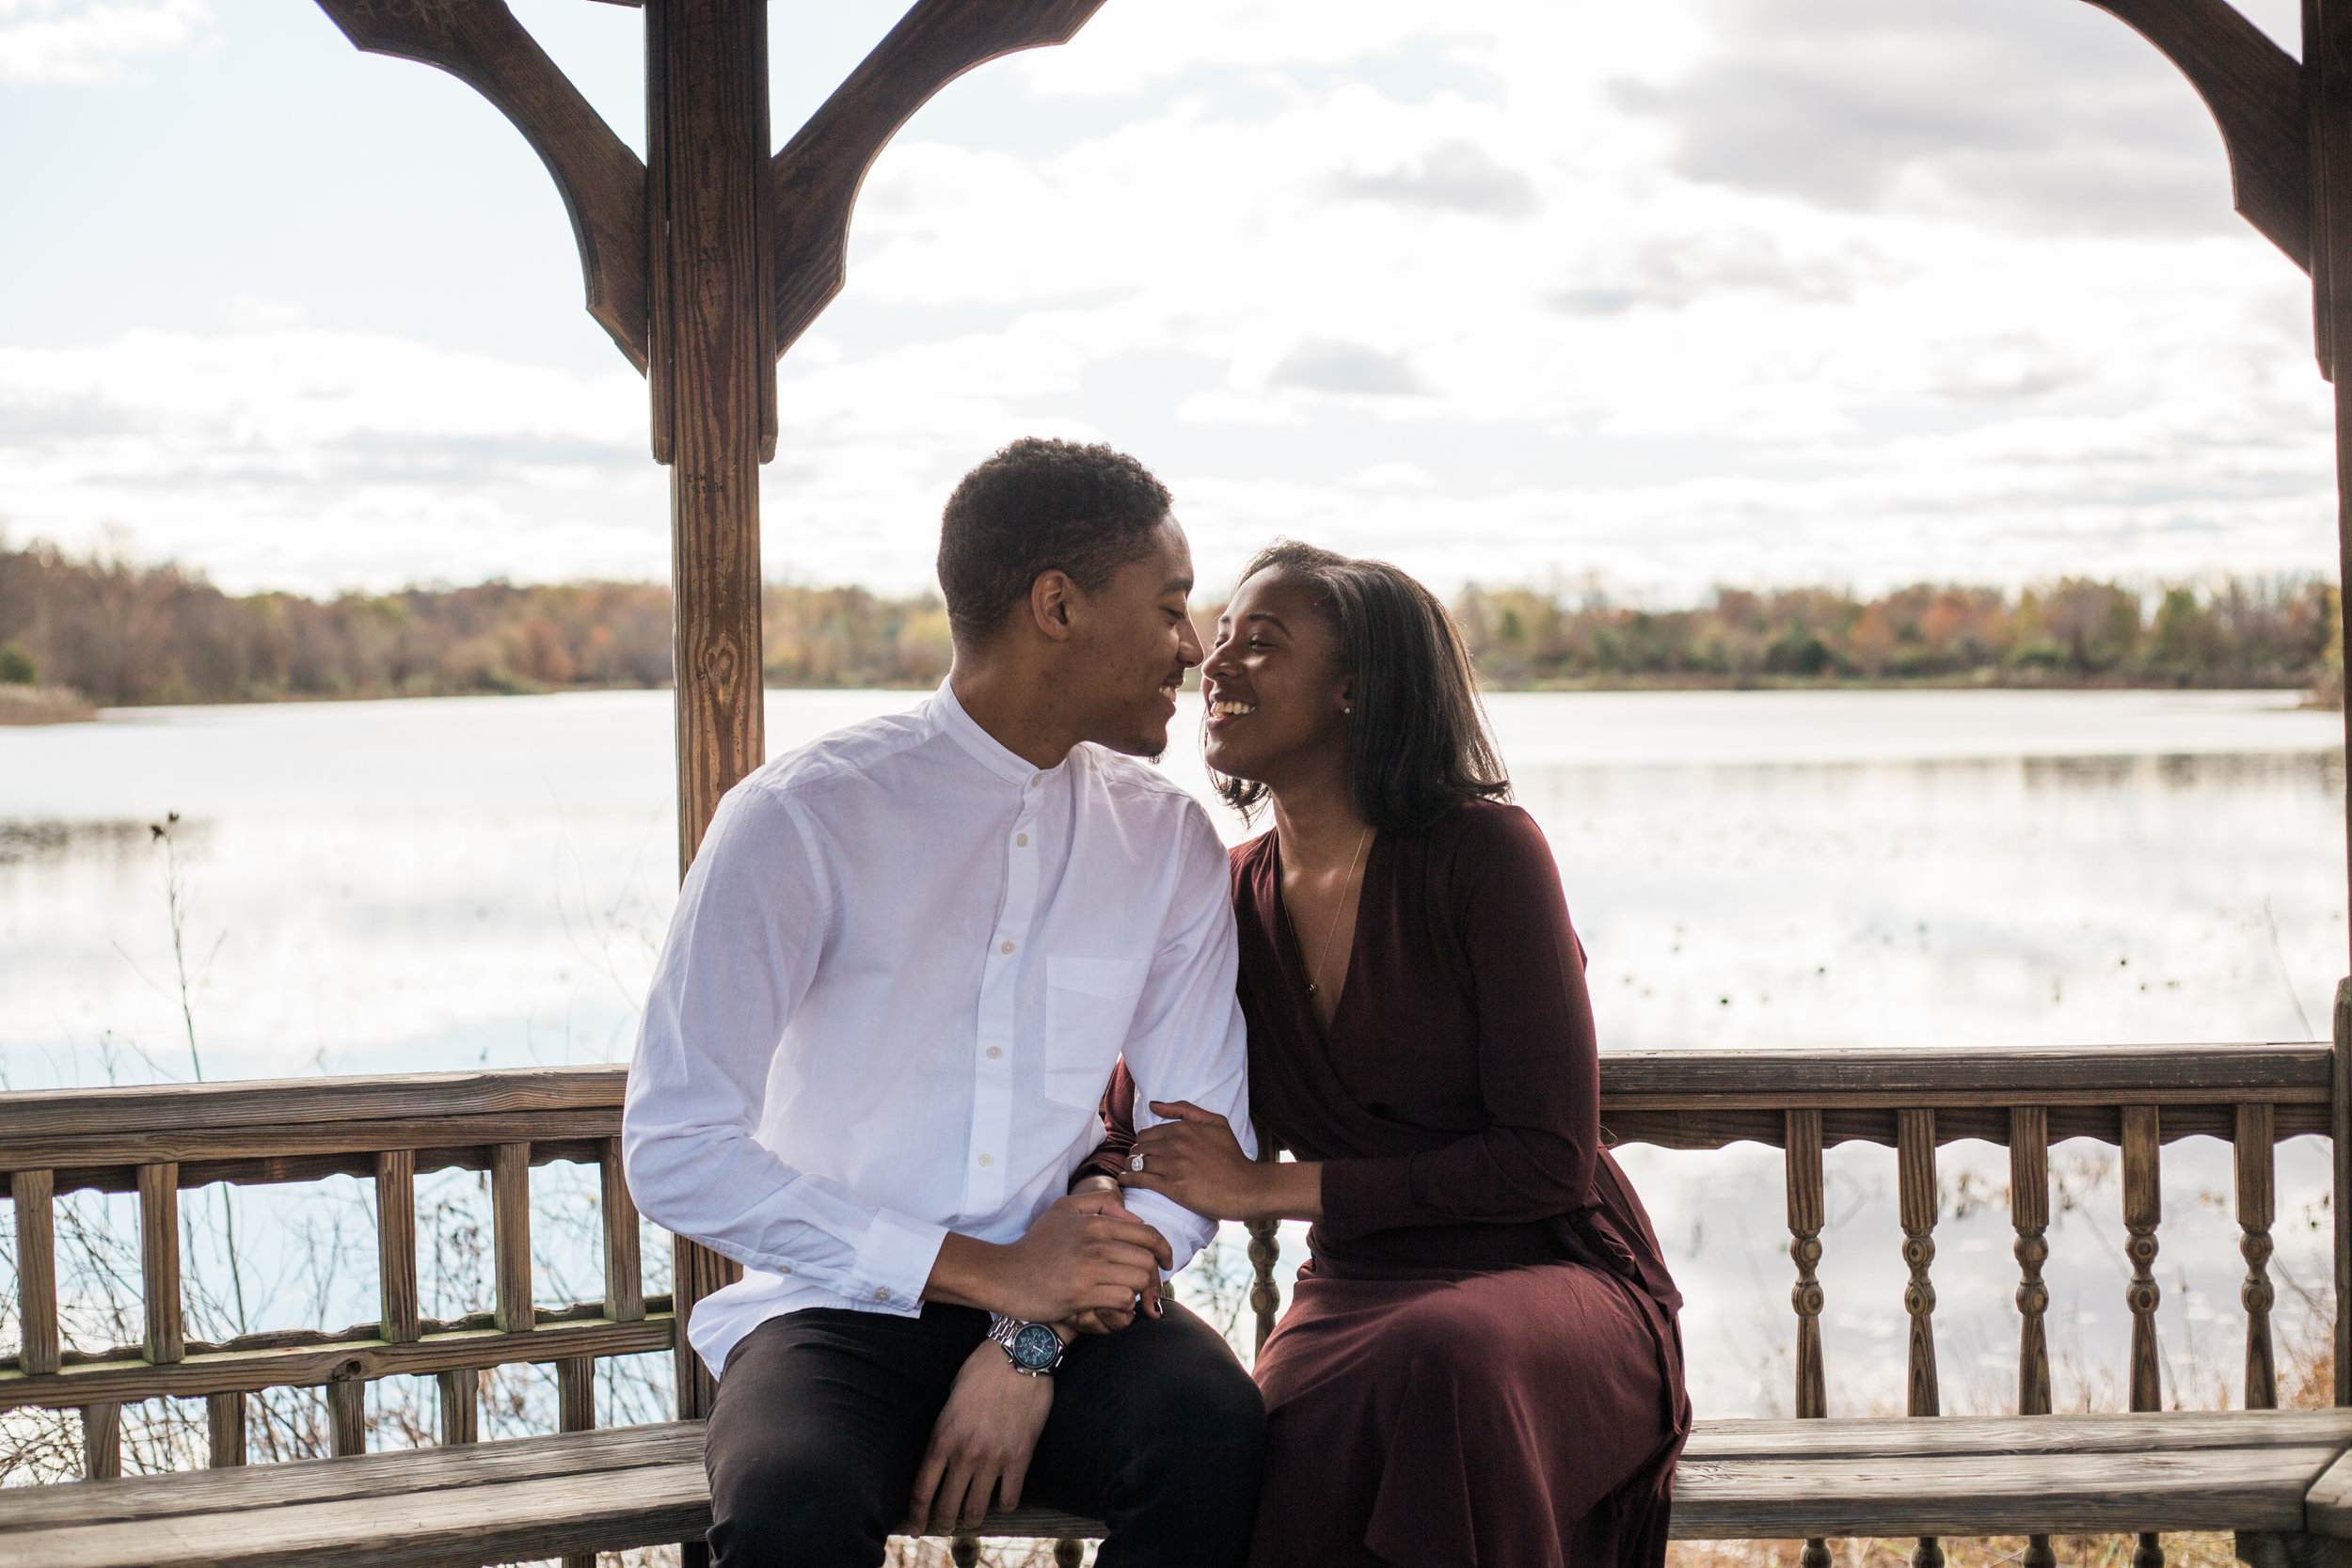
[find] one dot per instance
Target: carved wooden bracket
(2255, 91)
(819, 170)
(601, 181)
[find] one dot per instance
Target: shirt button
(1022, 839)
(987, 1160)
(993, 1052)
(1004, 947)
(784, 1267)
(1037, 777)
(882, 1295)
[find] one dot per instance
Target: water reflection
(409, 886)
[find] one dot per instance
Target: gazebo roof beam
(819, 170)
(601, 181)
(2255, 91)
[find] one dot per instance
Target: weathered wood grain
(695, 1272)
(159, 1261)
(37, 1115)
(1801, 1171)
(72, 1158)
(510, 1234)
(2327, 1507)
(602, 183)
(2254, 1489)
(101, 1441)
(396, 1245)
(347, 1415)
(460, 1390)
(2029, 1216)
(36, 1270)
(2340, 1158)
(2254, 91)
(1829, 1078)
(2257, 1183)
(624, 1272)
(224, 1430)
(707, 69)
(819, 170)
(309, 1366)
(1740, 1480)
(2143, 1210)
(1988, 1436)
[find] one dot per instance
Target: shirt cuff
(894, 1264)
(1186, 1231)
(1361, 1196)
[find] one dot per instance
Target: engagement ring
(1134, 1161)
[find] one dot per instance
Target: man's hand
(980, 1445)
(1085, 1253)
(1107, 1319)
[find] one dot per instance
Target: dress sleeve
(1118, 1129)
(1539, 1064)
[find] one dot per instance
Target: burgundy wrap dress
(1481, 1364)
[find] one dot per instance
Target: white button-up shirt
(900, 972)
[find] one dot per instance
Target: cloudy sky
(1553, 290)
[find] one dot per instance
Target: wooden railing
(158, 1142)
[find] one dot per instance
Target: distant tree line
(2262, 632)
(123, 634)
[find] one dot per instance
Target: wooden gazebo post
(704, 263)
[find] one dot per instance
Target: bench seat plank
(628, 1486)
(375, 1475)
(2062, 1494)
(1999, 1434)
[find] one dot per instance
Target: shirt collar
(986, 748)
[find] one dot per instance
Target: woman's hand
(1195, 1160)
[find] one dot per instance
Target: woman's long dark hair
(1417, 744)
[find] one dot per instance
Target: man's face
(1131, 643)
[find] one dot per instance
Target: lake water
(415, 886)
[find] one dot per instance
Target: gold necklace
(1333, 934)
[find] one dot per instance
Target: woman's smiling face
(1277, 694)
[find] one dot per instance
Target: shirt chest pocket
(1090, 1003)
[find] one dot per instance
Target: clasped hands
(1087, 1266)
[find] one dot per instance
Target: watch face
(1036, 1347)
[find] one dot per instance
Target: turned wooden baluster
(1265, 1250)
(2030, 1215)
(1914, 1168)
(2143, 1210)
(2257, 1128)
(1802, 1166)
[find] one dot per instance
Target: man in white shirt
(903, 967)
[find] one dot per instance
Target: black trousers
(823, 1417)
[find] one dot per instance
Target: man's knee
(798, 1503)
(1208, 1429)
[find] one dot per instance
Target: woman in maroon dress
(1481, 1364)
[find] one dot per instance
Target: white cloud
(1464, 297)
(89, 40)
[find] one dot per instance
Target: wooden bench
(2276, 1478)
(545, 1496)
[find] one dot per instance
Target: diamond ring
(1134, 1161)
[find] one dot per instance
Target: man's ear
(1050, 603)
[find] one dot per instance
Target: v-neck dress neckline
(1294, 950)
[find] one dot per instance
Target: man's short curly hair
(1035, 507)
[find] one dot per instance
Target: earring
(1347, 707)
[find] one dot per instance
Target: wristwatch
(1034, 1349)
